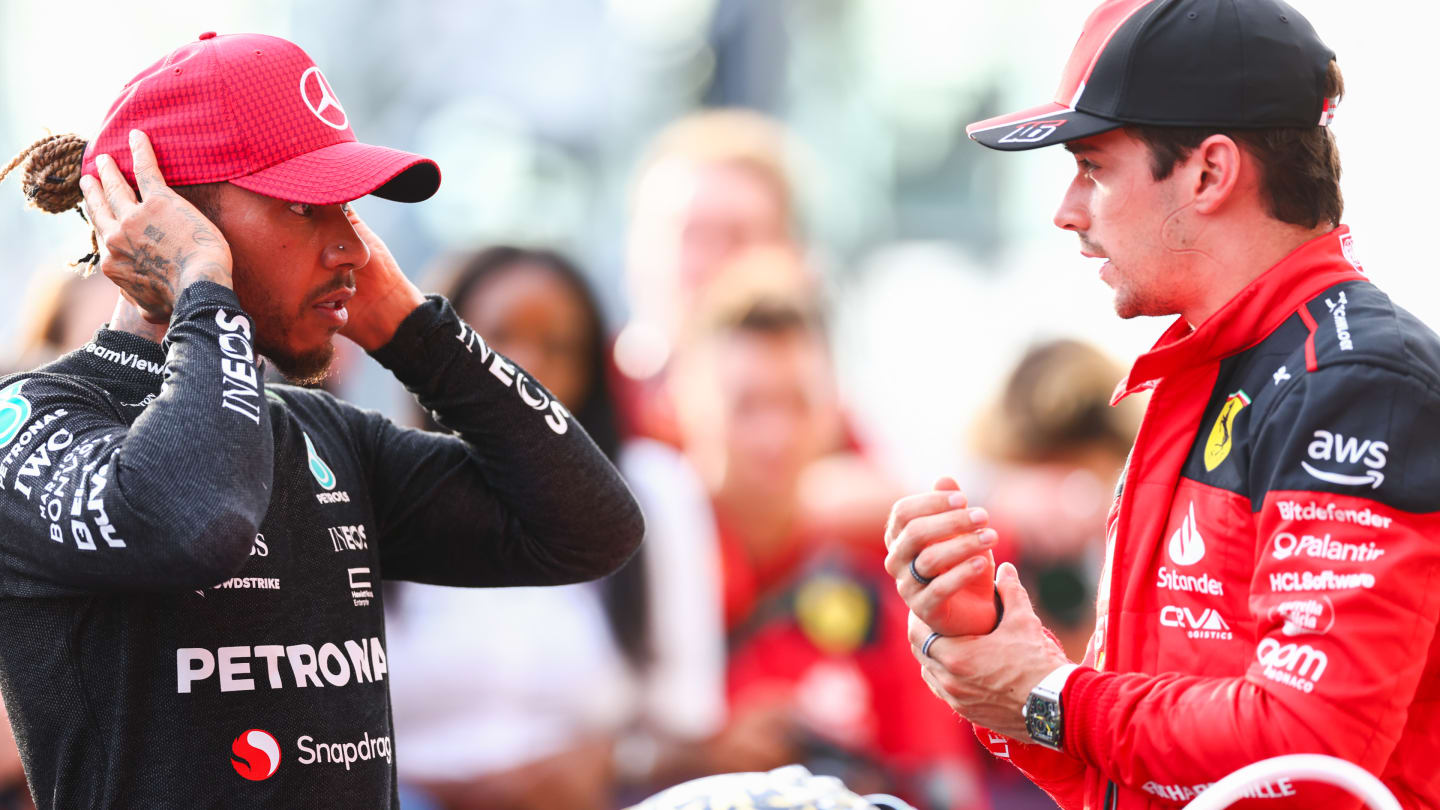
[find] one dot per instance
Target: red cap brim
(1040, 126)
(347, 171)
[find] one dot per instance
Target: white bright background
(937, 289)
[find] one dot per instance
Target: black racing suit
(190, 560)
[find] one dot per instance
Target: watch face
(1042, 720)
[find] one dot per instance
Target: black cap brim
(1045, 125)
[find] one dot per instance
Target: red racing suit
(1272, 575)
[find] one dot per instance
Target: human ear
(1216, 165)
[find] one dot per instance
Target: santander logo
(1187, 547)
(255, 755)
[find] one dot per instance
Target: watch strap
(1054, 683)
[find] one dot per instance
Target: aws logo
(1347, 450)
(255, 755)
(1217, 449)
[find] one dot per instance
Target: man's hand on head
(157, 245)
(987, 678)
(384, 296)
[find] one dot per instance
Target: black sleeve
(520, 496)
(171, 501)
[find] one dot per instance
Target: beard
(308, 368)
(1135, 299)
(273, 338)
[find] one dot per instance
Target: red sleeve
(1344, 599)
(1060, 775)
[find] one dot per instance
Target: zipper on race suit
(1110, 795)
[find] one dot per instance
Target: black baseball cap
(1231, 64)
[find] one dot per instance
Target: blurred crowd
(757, 626)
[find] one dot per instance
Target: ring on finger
(918, 578)
(925, 648)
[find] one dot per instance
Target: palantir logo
(14, 412)
(255, 755)
(318, 468)
(316, 93)
(1187, 547)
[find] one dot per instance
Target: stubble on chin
(309, 368)
(1141, 303)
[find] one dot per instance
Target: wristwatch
(1043, 716)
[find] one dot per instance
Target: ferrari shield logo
(1217, 449)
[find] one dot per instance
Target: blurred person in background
(711, 186)
(714, 188)
(60, 314)
(816, 645)
(577, 696)
(1056, 444)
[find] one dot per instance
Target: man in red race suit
(1272, 552)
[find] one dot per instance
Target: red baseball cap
(254, 110)
(1179, 63)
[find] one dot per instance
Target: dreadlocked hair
(50, 168)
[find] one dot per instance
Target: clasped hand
(985, 678)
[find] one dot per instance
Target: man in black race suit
(191, 559)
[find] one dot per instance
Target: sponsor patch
(534, 397)
(1295, 510)
(361, 588)
(1207, 624)
(1201, 583)
(14, 412)
(1291, 581)
(240, 384)
(1306, 616)
(1287, 545)
(1217, 448)
(347, 753)
(348, 538)
(1187, 547)
(1347, 245)
(255, 754)
(324, 476)
(1278, 789)
(1337, 447)
(126, 359)
(1299, 666)
(244, 668)
(1342, 323)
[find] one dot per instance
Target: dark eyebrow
(1078, 148)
